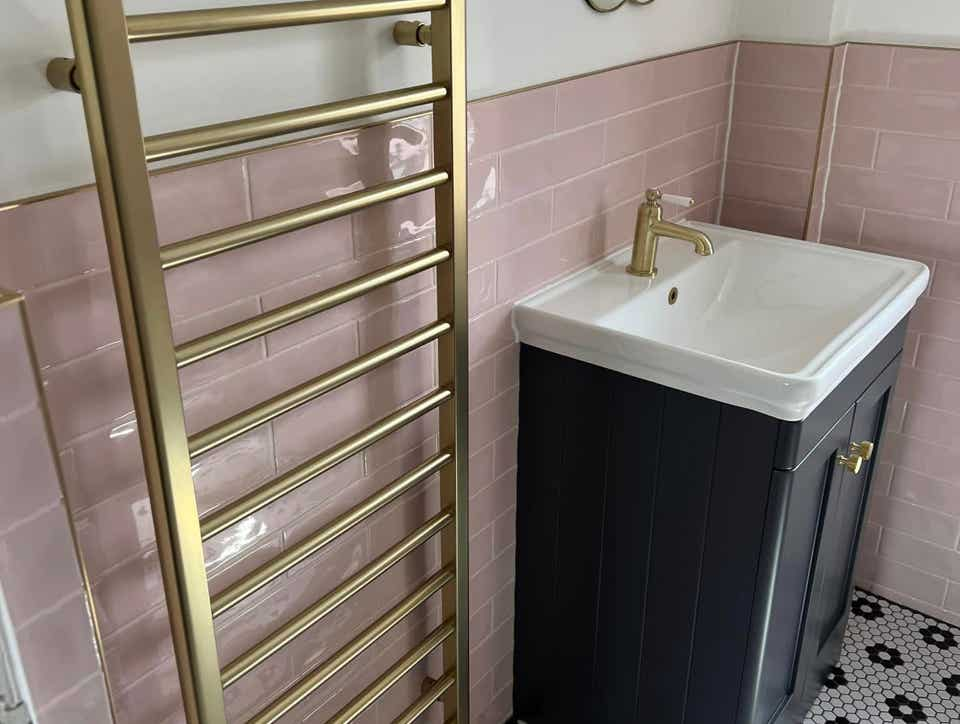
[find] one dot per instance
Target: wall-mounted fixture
(606, 6)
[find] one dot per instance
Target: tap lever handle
(683, 201)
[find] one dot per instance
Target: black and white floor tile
(897, 666)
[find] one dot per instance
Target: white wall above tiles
(511, 45)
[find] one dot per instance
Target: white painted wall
(511, 44)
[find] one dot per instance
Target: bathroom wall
(892, 187)
(775, 133)
(40, 579)
(556, 175)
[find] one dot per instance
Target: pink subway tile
(482, 384)
(481, 549)
(490, 579)
(688, 72)
(770, 184)
(599, 190)
(508, 227)
(491, 331)
(547, 162)
(867, 64)
(938, 317)
(138, 648)
(51, 240)
(18, 387)
(928, 388)
(258, 688)
(508, 368)
(939, 355)
(396, 222)
(505, 452)
(929, 525)
(919, 155)
(803, 66)
(937, 560)
(842, 223)
(657, 124)
(396, 320)
(926, 491)
(603, 95)
(887, 191)
(505, 530)
(103, 463)
(482, 289)
(481, 469)
(200, 199)
(911, 235)
(115, 530)
(854, 146)
(906, 579)
(154, 698)
(45, 544)
(28, 481)
(490, 421)
(934, 460)
(511, 120)
(525, 270)
(946, 281)
(776, 106)
(128, 591)
(900, 110)
(411, 437)
(679, 158)
(59, 653)
(773, 145)
(493, 501)
(74, 317)
(763, 217)
(932, 69)
(86, 702)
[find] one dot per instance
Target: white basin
(766, 323)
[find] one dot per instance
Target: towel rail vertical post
(105, 72)
(450, 152)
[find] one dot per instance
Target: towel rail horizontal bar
(252, 417)
(275, 568)
(369, 696)
(193, 23)
(220, 520)
(223, 339)
(322, 673)
(220, 135)
(250, 232)
(256, 655)
(429, 698)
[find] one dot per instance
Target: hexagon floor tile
(897, 666)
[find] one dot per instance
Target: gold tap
(650, 227)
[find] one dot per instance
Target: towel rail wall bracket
(102, 74)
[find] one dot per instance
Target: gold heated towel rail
(103, 73)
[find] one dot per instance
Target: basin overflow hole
(673, 295)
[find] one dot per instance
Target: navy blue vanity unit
(681, 560)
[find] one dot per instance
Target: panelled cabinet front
(680, 560)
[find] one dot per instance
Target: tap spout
(701, 242)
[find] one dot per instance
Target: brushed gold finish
(263, 413)
(62, 74)
(853, 463)
(434, 691)
(206, 245)
(219, 135)
(193, 23)
(319, 675)
(864, 449)
(369, 696)
(105, 73)
(221, 519)
(650, 227)
(272, 570)
(256, 655)
(412, 32)
(448, 52)
(236, 334)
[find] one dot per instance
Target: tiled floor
(897, 665)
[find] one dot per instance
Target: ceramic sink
(765, 323)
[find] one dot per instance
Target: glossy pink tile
(889, 574)
(802, 66)
(763, 217)
(138, 648)
(594, 193)
(397, 319)
(857, 187)
(508, 227)
(490, 421)
(687, 72)
(482, 289)
(28, 480)
(946, 281)
(919, 155)
(128, 591)
(867, 64)
(854, 146)
(511, 120)
(842, 223)
(778, 106)
(154, 698)
(770, 184)
(923, 523)
(603, 95)
(86, 702)
(680, 157)
(532, 168)
(18, 388)
(911, 235)
(790, 147)
(924, 490)
(928, 69)
(939, 355)
(936, 316)
(51, 240)
(901, 110)
(955, 206)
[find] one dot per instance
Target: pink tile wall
(554, 185)
(40, 578)
(774, 139)
(892, 188)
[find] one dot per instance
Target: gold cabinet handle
(863, 449)
(852, 462)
